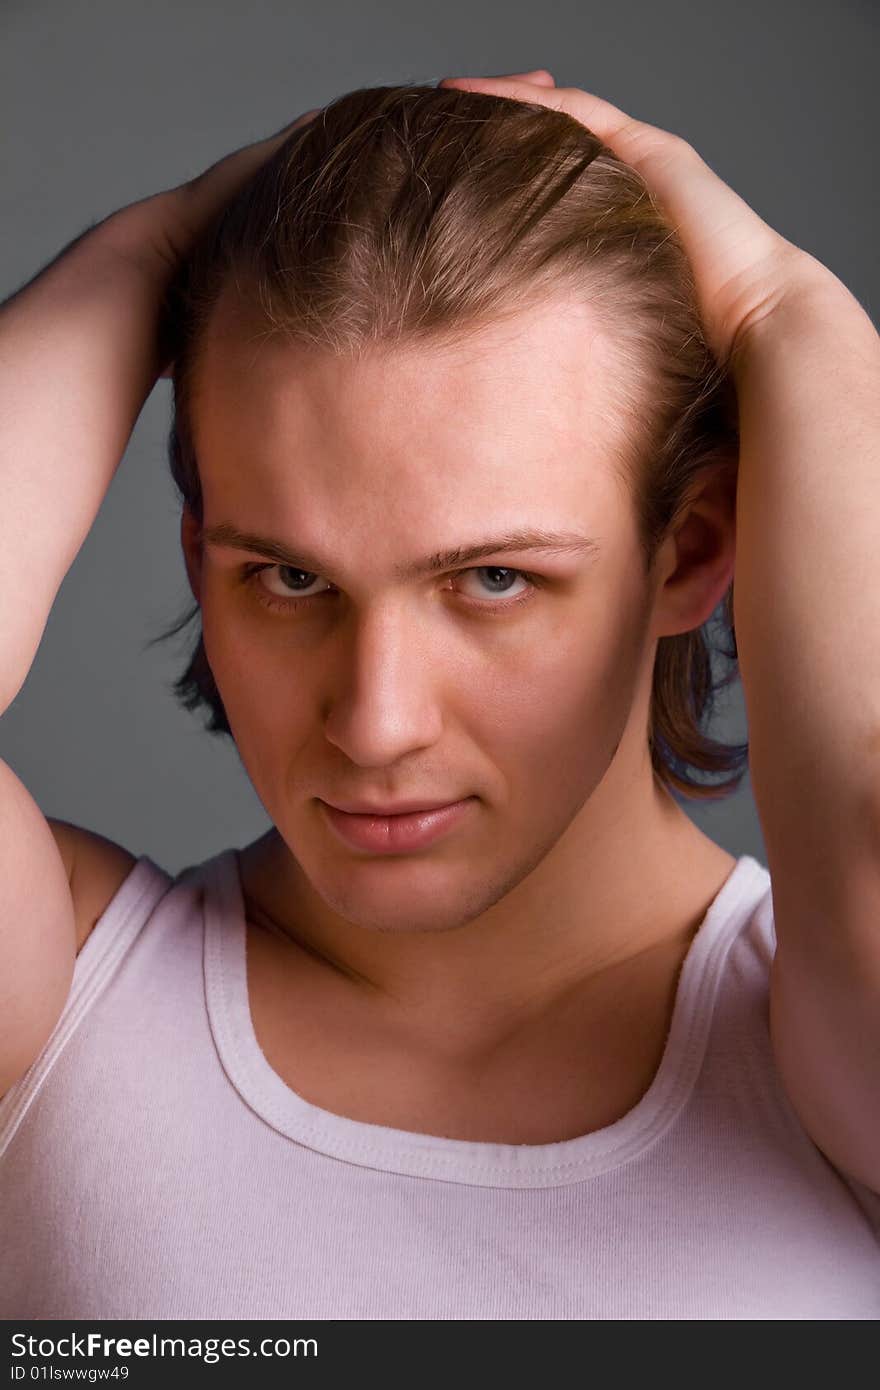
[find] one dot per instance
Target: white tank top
(154, 1166)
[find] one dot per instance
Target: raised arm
(79, 354)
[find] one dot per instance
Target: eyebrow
(224, 533)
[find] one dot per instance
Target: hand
(742, 267)
(158, 232)
(201, 198)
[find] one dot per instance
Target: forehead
(491, 421)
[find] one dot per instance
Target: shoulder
(96, 869)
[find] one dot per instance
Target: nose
(385, 702)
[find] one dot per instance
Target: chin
(409, 894)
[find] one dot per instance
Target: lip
(397, 834)
(400, 808)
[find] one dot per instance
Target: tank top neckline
(475, 1162)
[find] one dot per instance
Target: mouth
(399, 808)
(400, 833)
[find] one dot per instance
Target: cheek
(263, 704)
(554, 727)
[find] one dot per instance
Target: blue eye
(494, 570)
(296, 601)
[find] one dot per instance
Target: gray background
(106, 101)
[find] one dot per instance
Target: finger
(629, 138)
(233, 168)
(699, 203)
(593, 111)
(539, 76)
(281, 135)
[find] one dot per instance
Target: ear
(695, 564)
(192, 550)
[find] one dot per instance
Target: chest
(570, 1076)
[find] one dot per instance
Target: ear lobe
(192, 550)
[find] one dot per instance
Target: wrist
(810, 301)
(151, 234)
(158, 232)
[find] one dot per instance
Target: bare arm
(807, 613)
(79, 354)
(77, 361)
(806, 607)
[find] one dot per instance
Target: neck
(618, 893)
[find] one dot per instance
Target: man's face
(469, 682)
